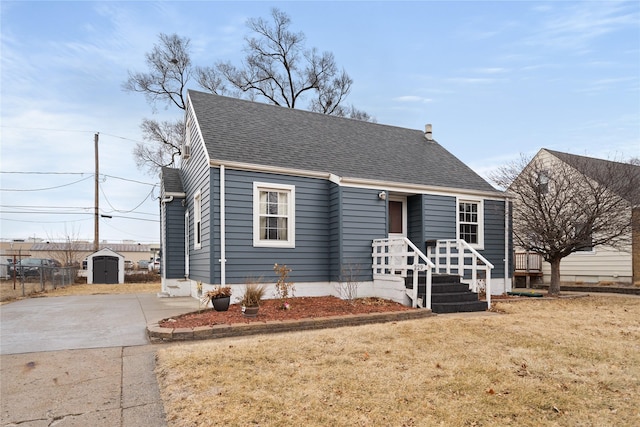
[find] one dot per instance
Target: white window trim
(197, 218)
(480, 202)
(291, 223)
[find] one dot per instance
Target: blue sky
(496, 79)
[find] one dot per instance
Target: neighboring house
(601, 264)
(261, 184)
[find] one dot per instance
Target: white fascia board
(195, 119)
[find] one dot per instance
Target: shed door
(105, 269)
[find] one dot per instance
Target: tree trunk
(554, 285)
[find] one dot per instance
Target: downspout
(223, 242)
(163, 268)
(507, 284)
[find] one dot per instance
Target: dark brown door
(396, 225)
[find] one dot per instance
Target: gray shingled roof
(617, 174)
(171, 180)
(263, 134)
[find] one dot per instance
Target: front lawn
(536, 362)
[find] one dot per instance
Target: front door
(397, 228)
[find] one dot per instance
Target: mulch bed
(299, 308)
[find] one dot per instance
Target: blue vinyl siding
(173, 251)
(494, 235)
(197, 176)
(439, 218)
(309, 260)
(364, 218)
(415, 220)
(335, 230)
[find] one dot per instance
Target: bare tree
(564, 203)
(165, 138)
(277, 68)
(165, 82)
(169, 64)
(68, 249)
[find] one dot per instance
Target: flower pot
(221, 304)
(250, 311)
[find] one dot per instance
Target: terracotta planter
(250, 311)
(221, 304)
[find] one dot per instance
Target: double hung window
(273, 215)
(470, 221)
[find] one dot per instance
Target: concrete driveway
(82, 360)
(89, 321)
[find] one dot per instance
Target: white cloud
(412, 98)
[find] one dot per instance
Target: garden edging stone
(158, 334)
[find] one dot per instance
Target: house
(334, 199)
(599, 263)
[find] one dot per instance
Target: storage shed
(105, 266)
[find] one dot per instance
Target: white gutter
(223, 241)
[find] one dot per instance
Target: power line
(48, 129)
(48, 173)
(45, 207)
(71, 130)
(130, 180)
(47, 188)
(123, 211)
(45, 212)
(71, 213)
(75, 173)
(45, 222)
(136, 219)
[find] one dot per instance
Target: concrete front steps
(448, 294)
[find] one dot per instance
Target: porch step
(448, 295)
(454, 307)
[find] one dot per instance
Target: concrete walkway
(82, 360)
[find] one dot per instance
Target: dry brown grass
(564, 362)
(7, 293)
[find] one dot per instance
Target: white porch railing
(458, 257)
(395, 256)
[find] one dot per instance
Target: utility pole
(96, 228)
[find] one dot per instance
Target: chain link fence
(24, 281)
